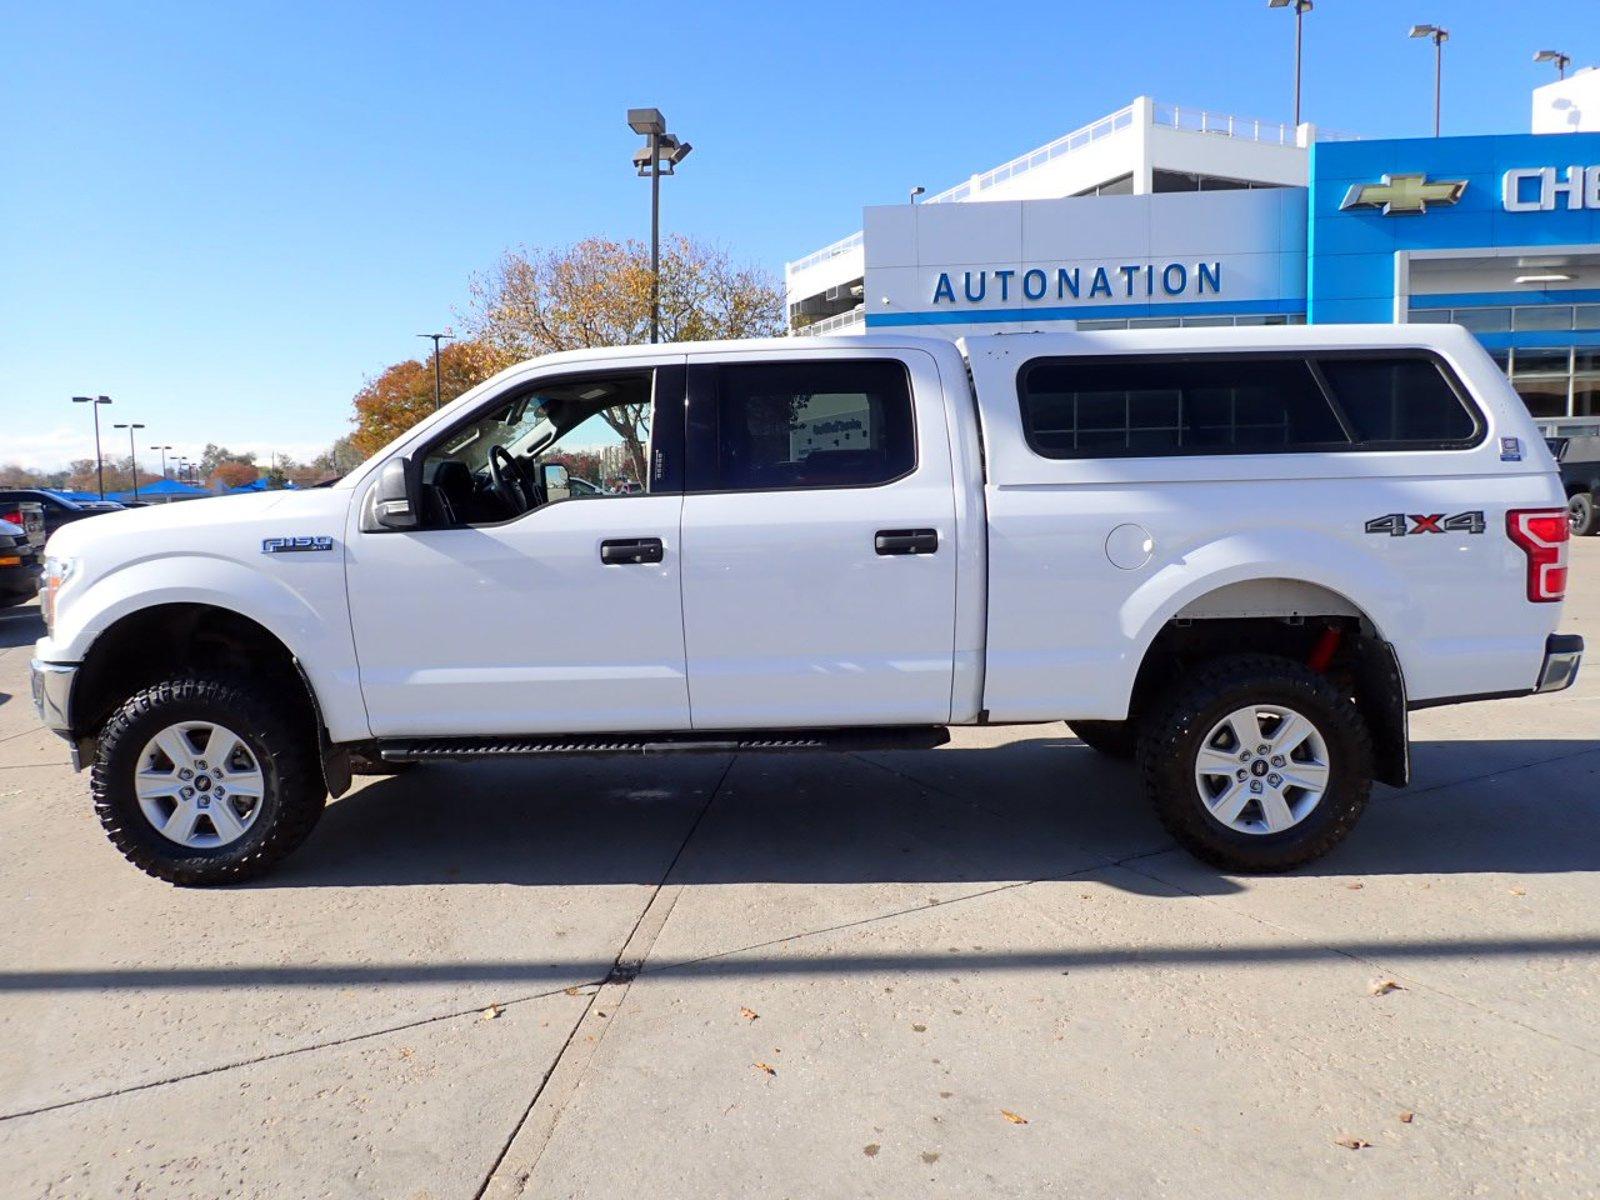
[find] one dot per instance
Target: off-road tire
(1171, 740)
(1581, 514)
(1114, 739)
(280, 736)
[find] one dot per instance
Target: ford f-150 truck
(1239, 555)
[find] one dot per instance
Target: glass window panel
(1430, 316)
(1484, 320)
(1398, 400)
(1544, 397)
(1587, 316)
(1586, 396)
(1541, 362)
(1543, 316)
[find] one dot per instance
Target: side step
(750, 741)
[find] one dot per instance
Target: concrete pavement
(975, 970)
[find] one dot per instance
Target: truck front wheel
(1257, 763)
(199, 780)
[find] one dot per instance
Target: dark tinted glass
(812, 425)
(1398, 400)
(1073, 408)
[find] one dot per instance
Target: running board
(749, 741)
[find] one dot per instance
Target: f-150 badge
(295, 545)
(1403, 524)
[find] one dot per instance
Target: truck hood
(191, 524)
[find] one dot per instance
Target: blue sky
(227, 216)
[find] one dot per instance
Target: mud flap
(1381, 692)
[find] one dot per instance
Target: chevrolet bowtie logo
(1404, 194)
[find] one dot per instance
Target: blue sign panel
(1373, 200)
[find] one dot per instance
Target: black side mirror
(390, 502)
(556, 483)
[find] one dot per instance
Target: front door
(526, 603)
(819, 566)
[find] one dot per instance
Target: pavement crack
(523, 1147)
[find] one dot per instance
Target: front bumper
(1563, 653)
(52, 694)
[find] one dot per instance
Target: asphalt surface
(976, 970)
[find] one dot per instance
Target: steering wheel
(510, 480)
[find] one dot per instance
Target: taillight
(1542, 534)
(14, 517)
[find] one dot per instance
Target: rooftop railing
(835, 323)
(842, 246)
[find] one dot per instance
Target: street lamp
(1301, 8)
(446, 336)
(99, 467)
(659, 156)
(133, 457)
(1562, 61)
(163, 450)
(1439, 36)
(917, 191)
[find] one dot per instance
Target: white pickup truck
(1242, 555)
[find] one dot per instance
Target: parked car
(20, 566)
(58, 510)
(1579, 459)
(1239, 555)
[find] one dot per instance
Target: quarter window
(1398, 400)
(845, 423)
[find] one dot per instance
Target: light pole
(1438, 36)
(660, 148)
(133, 456)
(917, 191)
(446, 336)
(1561, 61)
(1301, 8)
(163, 450)
(99, 466)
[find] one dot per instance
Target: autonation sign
(1125, 281)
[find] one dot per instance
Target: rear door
(819, 564)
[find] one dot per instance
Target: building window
(1191, 322)
(1542, 378)
(1543, 316)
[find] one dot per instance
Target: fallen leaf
(493, 1011)
(930, 1156)
(945, 1095)
(1407, 1117)
(1382, 987)
(1355, 887)
(770, 1070)
(1519, 891)
(1014, 1118)
(871, 1149)
(919, 1029)
(571, 991)
(749, 1014)
(406, 1051)
(1351, 1142)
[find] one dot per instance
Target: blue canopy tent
(79, 497)
(259, 484)
(163, 489)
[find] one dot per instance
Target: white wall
(1571, 105)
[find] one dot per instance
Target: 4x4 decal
(1396, 524)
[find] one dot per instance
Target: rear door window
(782, 425)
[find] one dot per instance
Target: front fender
(301, 602)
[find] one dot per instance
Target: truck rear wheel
(1581, 514)
(199, 780)
(1256, 763)
(1115, 739)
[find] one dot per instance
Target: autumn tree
(401, 395)
(597, 293)
(232, 473)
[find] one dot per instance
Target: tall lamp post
(163, 450)
(446, 336)
(133, 456)
(660, 155)
(1559, 60)
(1438, 36)
(1301, 8)
(99, 466)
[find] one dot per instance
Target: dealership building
(1161, 216)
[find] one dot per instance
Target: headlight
(56, 572)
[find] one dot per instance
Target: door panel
(792, 615)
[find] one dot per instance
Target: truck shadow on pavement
(20, 626)
(1039, 808)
